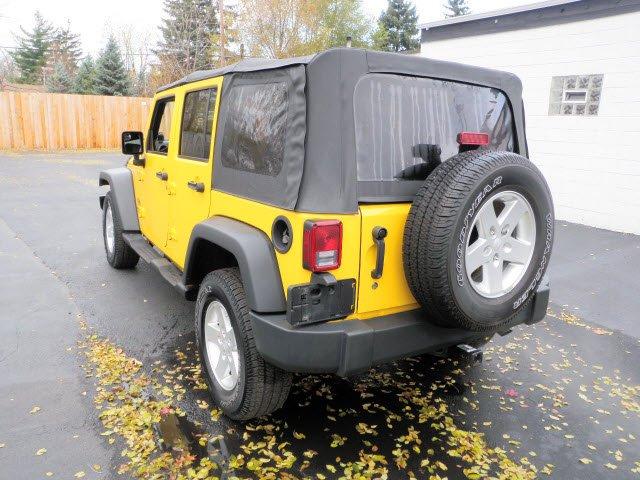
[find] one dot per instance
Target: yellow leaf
(35, 409)
(610, 466)
(299, 436)
(331, 468)
(586, 461)
(79, 474)
(42, 451)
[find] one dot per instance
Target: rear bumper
(350, 346)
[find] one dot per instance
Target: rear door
(405, 127)
(191, 168)
(389, 293)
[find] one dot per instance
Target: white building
(579, 62)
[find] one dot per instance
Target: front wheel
(241, 382)
(119, 254)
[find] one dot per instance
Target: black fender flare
(254, 254)
(120, 180)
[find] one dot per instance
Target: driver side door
(152, 194)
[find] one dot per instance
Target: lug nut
(496, 257)
(492, 231)
(505, 230)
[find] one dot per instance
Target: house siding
(592, 163)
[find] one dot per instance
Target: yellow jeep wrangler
(333, 212)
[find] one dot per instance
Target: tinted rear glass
(394, 114)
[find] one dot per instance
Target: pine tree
(111, 76)
(65, 48)
(60, 80)
(85, 81)
(455, 8)
(398, 27)
(188, 30)
(31, 55)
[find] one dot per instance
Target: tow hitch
(470, 353)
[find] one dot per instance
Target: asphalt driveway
(557, 400)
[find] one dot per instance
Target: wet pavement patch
(557, 400)
(543, 403)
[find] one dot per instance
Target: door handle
(197, 186)
(379, 233)
(164, 176)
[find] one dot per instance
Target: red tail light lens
(322, 245)
(473, 138)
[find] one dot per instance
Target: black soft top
(319, 169)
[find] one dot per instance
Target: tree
(7, 70)
(136, 55)
(188, 32)
(30, 56)
(283, 28)
(59, 81)
(398, 27)
(85, 80)
(340, 19)
(455, 8)
(111, 75)
(65, 49)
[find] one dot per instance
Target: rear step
(168, 270)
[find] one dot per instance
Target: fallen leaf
(35, 409)
(42, 451)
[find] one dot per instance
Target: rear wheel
(240, 381)
(119, 254)
(479, 240)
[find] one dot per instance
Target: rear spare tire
(478, 239)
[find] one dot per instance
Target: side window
(197, 122)
(255, 128)
(158, 138)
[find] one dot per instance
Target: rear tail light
(322, 245)
(473, 138)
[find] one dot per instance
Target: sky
(95, 20)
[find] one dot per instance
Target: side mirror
(132, 144)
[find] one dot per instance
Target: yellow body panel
(290, 264)
(390, 293)
(169, 210)
(152, 200)
(188, 207)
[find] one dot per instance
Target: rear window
(255, 130)
(197, 121)
(395, 114)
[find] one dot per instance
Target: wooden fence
(52, 121)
